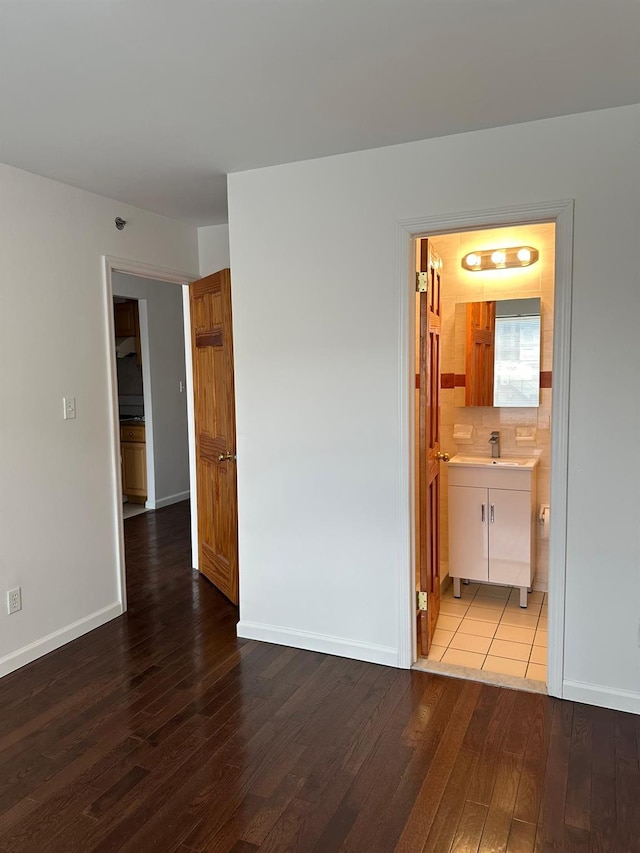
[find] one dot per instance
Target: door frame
(560, 212)
(142, 270)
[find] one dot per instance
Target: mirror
(498, 352)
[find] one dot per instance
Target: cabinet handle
(483, 513)
(493, 515)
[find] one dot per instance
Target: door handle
(442, 457)
(483, 513)
(227, 457)
(493, 513)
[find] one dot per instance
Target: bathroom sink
(488, 462)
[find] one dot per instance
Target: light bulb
(524, 255)
(473, 260)
(498, 257)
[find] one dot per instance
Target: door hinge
(421, 600)
(422, 280)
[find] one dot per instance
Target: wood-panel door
(480, 350)
(215, 427)
(428, 479)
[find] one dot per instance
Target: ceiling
(153, 102)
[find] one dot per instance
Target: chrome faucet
(494, 441)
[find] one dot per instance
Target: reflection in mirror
(501, 344)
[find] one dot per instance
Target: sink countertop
(514, 462)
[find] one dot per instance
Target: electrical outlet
(69, 408)
(14, 600)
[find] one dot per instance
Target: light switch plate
(69, 408)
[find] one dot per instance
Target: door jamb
(560, 212)
(110, 265)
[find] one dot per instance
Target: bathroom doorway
(484, 337)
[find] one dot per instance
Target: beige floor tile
(543, 624)
(520, 619)
(477, 628)
(436, 652)
(537, 671)
(536, 596)
(507, 649)
(470, 643)
(449, 623)
(504, 666)
(541, 639)
(495, 591)
(532, 607)
(453, 608)
(488, 601)
(442, 637)
(516, 635)
(483, 614)
(538, 655)
(460, 658)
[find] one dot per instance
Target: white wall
(57, 494)
(316, 325)
(163, 370)
(213, 248)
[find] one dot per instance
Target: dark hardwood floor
(163, 732)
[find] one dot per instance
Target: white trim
(147, 395)
(323, 643)
(110, 265)
(58, 638)
(168, 500)
(561, 212)
(559, 483)
(602, 696)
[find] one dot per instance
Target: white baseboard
(58, 638)
(540, 586)
(170, 499)
(603, 697)
(368, 652)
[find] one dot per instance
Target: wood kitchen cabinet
(133, 453)
(125, 315)
(492, 525)
(126, 322)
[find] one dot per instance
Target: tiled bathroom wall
(461, 286)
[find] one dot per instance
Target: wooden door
(215, 426)
(479, 351)
(428, 479)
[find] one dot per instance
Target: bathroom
(486, 630)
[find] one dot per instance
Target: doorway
(161, 415)
(525, 431)
(489, 394)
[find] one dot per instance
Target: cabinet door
(468, 533)
(134, 468)
(124, 314)
(509, 537)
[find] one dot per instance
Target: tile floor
(487, 629)
(130, 509)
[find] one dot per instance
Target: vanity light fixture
(500, 259)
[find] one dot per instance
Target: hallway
(162, 731)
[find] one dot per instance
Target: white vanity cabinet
(492, 522)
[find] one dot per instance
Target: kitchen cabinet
(492, 524)
(133, 453)
(125, 318)
(126, 322)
